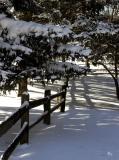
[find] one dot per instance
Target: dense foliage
(64, 29)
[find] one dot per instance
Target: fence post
(47, 107)
(67, 81)
(25, 118)
(63, 97)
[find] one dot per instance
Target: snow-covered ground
(88, 130)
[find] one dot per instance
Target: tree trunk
(22, 86)
(87, 63)
(63, 58)
(117, 87)
(116, 74)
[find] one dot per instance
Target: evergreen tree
(65, 29)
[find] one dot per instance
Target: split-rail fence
(23, 114)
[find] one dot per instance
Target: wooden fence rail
(15, 142)
(9, 122)
(23, 114)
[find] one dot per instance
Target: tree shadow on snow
(94, 92)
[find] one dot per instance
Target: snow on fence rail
(23, 114)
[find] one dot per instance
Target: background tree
(106, 53)
(102, 38)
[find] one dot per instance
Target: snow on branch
(16, 27)
(65, 68)
(88, 26)
(7, 46)
(75, 50)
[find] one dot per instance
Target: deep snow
(88, 130)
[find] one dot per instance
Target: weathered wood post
(22, 86)
(25, 117)
(47, 107)
(63, 97)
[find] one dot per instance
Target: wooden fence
(23, 114)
